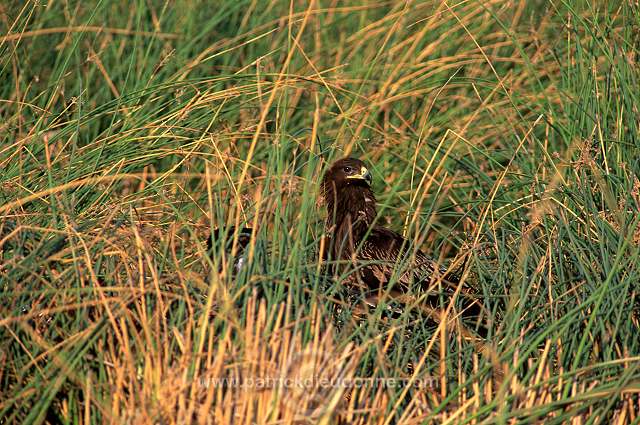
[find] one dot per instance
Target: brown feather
(373, 253)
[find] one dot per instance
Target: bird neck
(353, 207)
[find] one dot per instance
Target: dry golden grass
(505, 132)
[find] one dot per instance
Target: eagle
(227, 236)
(370, 254)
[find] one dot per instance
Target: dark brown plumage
(372, 252)
(244, 238)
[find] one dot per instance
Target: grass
(501, 134)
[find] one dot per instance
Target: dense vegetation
(502, 136)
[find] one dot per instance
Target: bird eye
(347, 169)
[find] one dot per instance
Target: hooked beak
(363, 175)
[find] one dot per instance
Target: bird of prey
(244, 238)
(369, 253)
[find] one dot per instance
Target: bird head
(244, 239)
(346, 172)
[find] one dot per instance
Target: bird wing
(385, 251)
